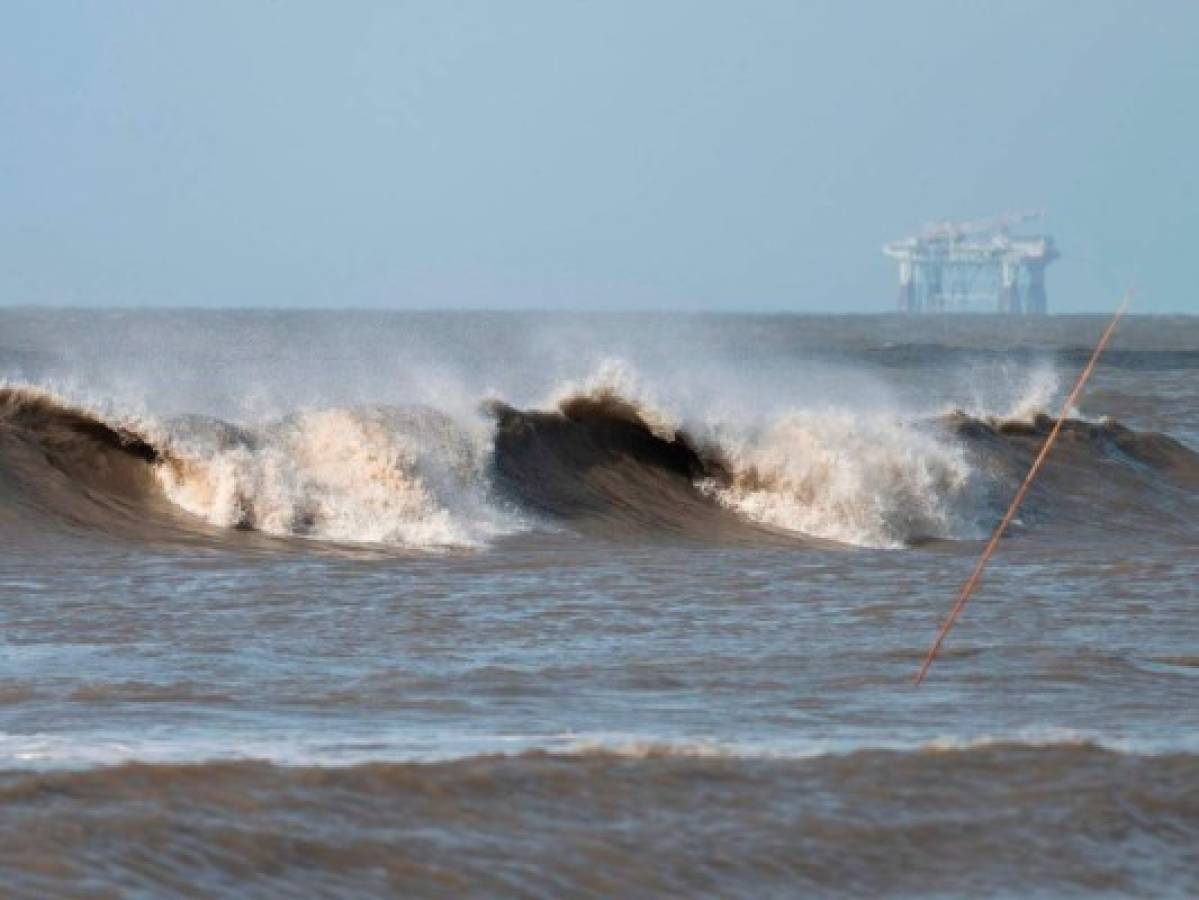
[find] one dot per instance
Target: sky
(601, 155)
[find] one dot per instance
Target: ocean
(350, 603)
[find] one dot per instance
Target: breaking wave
(401, 477)
(601, 461)
(408, 477)
(875, 482)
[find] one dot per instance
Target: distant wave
(598, 463)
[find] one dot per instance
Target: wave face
(66, 466)
(1100, 474)
(407, 478)
(607, 462)
(598, 824)
(598, 463)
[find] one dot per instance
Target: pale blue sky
(647, 154)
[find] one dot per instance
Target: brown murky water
(346, 604)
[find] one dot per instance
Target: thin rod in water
(976, 575)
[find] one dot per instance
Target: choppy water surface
(350, 603)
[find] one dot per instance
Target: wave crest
(874, 482)
(412, 478)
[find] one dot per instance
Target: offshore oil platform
(974, 265)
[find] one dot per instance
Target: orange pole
(976, 575)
